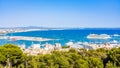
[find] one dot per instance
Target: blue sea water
(64, 36)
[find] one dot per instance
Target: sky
(60, 13)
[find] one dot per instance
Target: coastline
(63, 36)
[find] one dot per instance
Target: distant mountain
(36, 27)
(94, 28)
(29, 27)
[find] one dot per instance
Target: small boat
(114, 41)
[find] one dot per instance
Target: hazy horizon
(60, 13)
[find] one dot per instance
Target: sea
(64, 36)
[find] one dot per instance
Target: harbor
(46, 41)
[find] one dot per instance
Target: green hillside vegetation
(12, 57)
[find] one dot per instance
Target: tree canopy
(11, 56)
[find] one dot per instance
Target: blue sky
(60, 13)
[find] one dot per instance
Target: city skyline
(60, 13)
